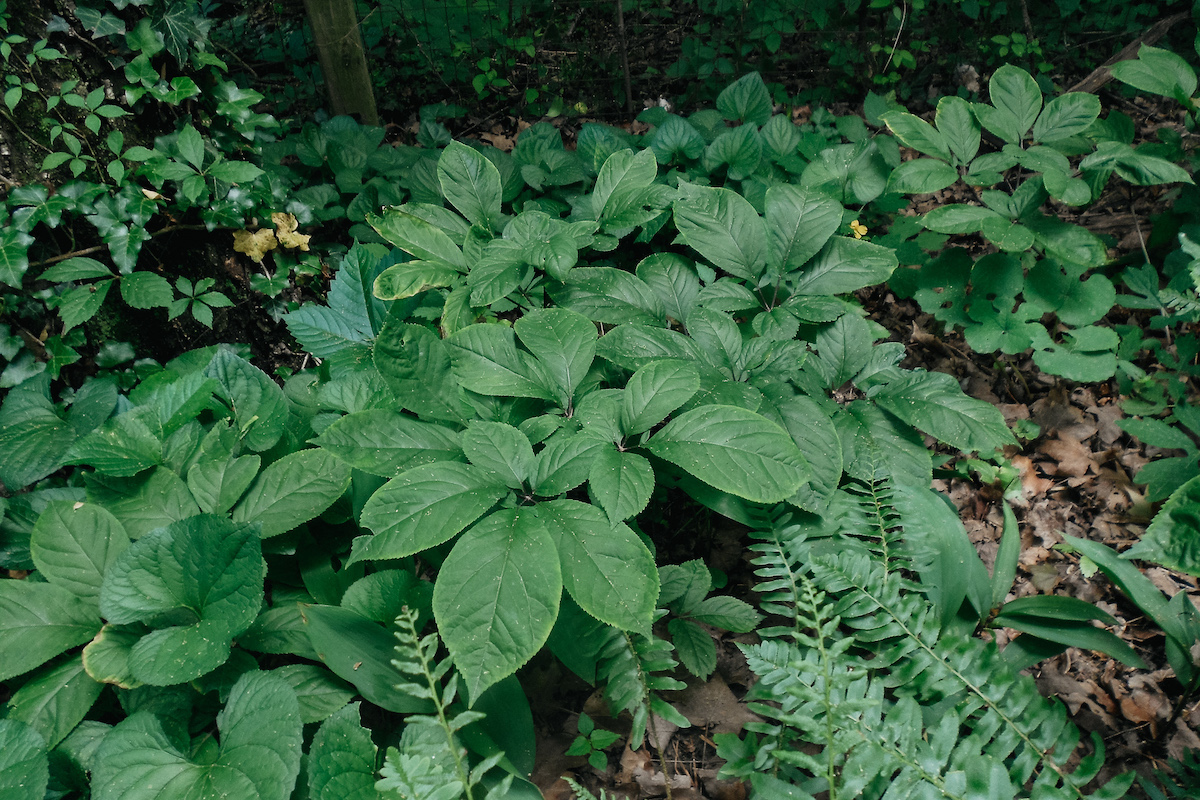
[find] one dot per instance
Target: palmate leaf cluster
(868, 691)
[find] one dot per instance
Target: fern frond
(629, 667)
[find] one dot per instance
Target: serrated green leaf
(694, 646)
(415, 364)
(611, 296)
(259, 409)
(146, 290)
(724, 228)
(563, 341)
(1066, 115)
(76, 269)
(918, 134)
(220, 482)
(199, 581)
(934, 403)
(293, 490)
(122, 447)
(73, 544)
(384, 442)
(24, 765)
(319, 692)
(497, 595)
(54, 700)
(674, 281)
(341, 761)
(80, 304)
(734, 450)
(486, 359)
(566, 461)
(37, 622)
(654, 391)
(845, 265)
(423, 507)
(418, 237)
(413, 277)
(145, 502)
(921, 176)
(258, 755)
(620, 483)
(106, 658)
(800, 222)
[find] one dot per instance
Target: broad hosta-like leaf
(654, 391)
(471, 183)
(361, 652)
(256, 401)
(341, 762)
(563, 341)
(487, 360)
(934, 403)
(746, 100)
(620, 483)
(424, 507)
(383, 442)
(258, 756)
(199, 582)
(724, 228)
(622, 171)
(734, 450)
(38, 621)
(605, 566)
(24, 765)
(106, 658)
(54, 700)
(73, 544)
(293, 490)
(799, 223)
(497, 595)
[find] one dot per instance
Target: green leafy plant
(592, 742)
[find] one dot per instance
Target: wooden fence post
(343, 59)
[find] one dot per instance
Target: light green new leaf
(958, 218)
(956, 122)
(383, 442)
(424, 507)
(38, 621)
(24, 765)
(341, 761)
(258, 757)
(799, 222)
(74, 544)
(654, 391)
(605, 566)
(219, 483)
(564, 341)
(413, 277)
(921, 176)
(918, 134)
(620, 483)
(845, 265)
(934, 403)
(472, 184)
(1157, 71)
(624, 170)
(418, 238)
(487, 360)
(497, 595)
(200, 581)
(54, 700)
(746, 100)
(259, 409)
(501, 450)
(293, 490)
(1014, 91)
(734, 450)
(724, 228)
(1066, 115)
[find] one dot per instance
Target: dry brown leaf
(712, 703)
(254, 245)
(1070, 457)
(285, 232)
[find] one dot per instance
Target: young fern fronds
(782, 553)
(628, 666)
(431, 763)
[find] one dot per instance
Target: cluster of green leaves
(1041, 264)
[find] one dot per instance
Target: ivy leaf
(74, 544)
(497, 595)
(199, 582)
(293, 490)
(734, 450)
(37, 622)
(424, 507)
(258, 756)
(934, 403)
(606, 568)
(341, 761)
(24, 765)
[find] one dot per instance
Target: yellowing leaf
(285, 231)
(254, 244)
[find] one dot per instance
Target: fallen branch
(1102, 74)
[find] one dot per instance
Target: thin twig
(97, 248)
